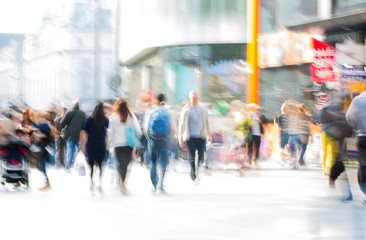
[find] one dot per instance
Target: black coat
(72, 124)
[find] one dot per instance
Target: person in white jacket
(193, 130)
(117, 138)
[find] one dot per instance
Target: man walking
(193, 130)
(72, 124)
(159, 127)
(356, 118)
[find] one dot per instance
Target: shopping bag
(80, 163)
(132, 139)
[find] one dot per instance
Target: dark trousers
(123, 157)
(362, 160)
(256, 142)
(60, 152)
(194, 144)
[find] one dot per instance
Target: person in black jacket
(72, 124)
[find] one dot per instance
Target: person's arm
(146, 122)
(136, 126)
(208, 126)
(351, 114)
(83, 140)
(180, 127)
(65, 120)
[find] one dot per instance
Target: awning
(355, 21)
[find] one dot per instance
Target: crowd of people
(113, 131)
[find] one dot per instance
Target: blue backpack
(159, 125)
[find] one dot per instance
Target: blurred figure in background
(356, 117)
(159, 127)
(328, 118)
(283, 122)
(72, 124)
(117, 137)
(193, 130)
(42, 138)
(93, 142)
(258, 122)
(299, 132)
(60, 139)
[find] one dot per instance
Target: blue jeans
(284, 139)
(158, 154)
(42, 164)
(71, 147)
(194, 144)
(298, 141)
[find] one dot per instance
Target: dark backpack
(159, 124)
(338, 129)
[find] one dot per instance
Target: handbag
(132, 139)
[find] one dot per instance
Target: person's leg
(303, 141)
(324, 141)
(201, 147)
(250, 150)
(362, 163)
(42, 168)
(163, 161)
(70, 153)
(333, 149)
(123, 157)
(192, 156)
(257, 142)
(100, 166)
(153, 158)
(91, 165)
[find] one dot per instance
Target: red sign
(322, 66)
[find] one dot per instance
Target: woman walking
(93, 142)
(122, 120)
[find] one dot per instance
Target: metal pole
(96, 49)
(252, 50)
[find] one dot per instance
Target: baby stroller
(14, 163)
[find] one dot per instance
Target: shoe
(91, 188)
(155, 183)
(100, 189)
(16, 184)
(349, 198)
(46, 187)
(123, 189)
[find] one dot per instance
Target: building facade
(72, 56)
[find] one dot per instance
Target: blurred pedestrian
(60, 139)
(258, 122)
(159, 128)
(117, 134)
(356, 117)
(72, 124)
(193, 130)
(299, 130)
(329, 117)
(93, 142)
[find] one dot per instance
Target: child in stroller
(14, 163)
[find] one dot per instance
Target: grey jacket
(183, 127)
(72, 123)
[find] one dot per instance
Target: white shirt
(117, 130)
(256, 128)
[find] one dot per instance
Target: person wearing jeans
(159, 155)
(193, 130)
(158, 146)
(72, 124)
